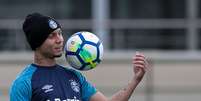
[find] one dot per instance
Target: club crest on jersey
(74, 86)
(52, 24)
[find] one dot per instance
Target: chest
(55, 85)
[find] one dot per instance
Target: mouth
(58, 49)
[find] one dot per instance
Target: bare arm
(139, 68)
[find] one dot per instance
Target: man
(44, 80)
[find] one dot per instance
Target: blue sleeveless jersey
(56, 83)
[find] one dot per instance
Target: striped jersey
(53, 83)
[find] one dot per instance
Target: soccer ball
(83, 50)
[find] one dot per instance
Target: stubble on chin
(57, 56)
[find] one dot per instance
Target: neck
(42, 60)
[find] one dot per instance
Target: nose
(59, 38)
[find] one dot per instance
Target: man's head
(43, 33)
(37, 27)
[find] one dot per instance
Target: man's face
(53, 45)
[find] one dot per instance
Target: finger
(143, 63)
(139, 59)
(139, 67)
(139, 62)
(139, 54)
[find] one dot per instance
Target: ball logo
(74, 86)
(52, 24)
(72, 42)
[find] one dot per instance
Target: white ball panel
(90, 37)
(73, 43)
(73, 61)
(101, 51)
(88, 53)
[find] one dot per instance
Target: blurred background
(166, 31)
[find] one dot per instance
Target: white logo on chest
(47, 88)
(58, 99)
(74, 85)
